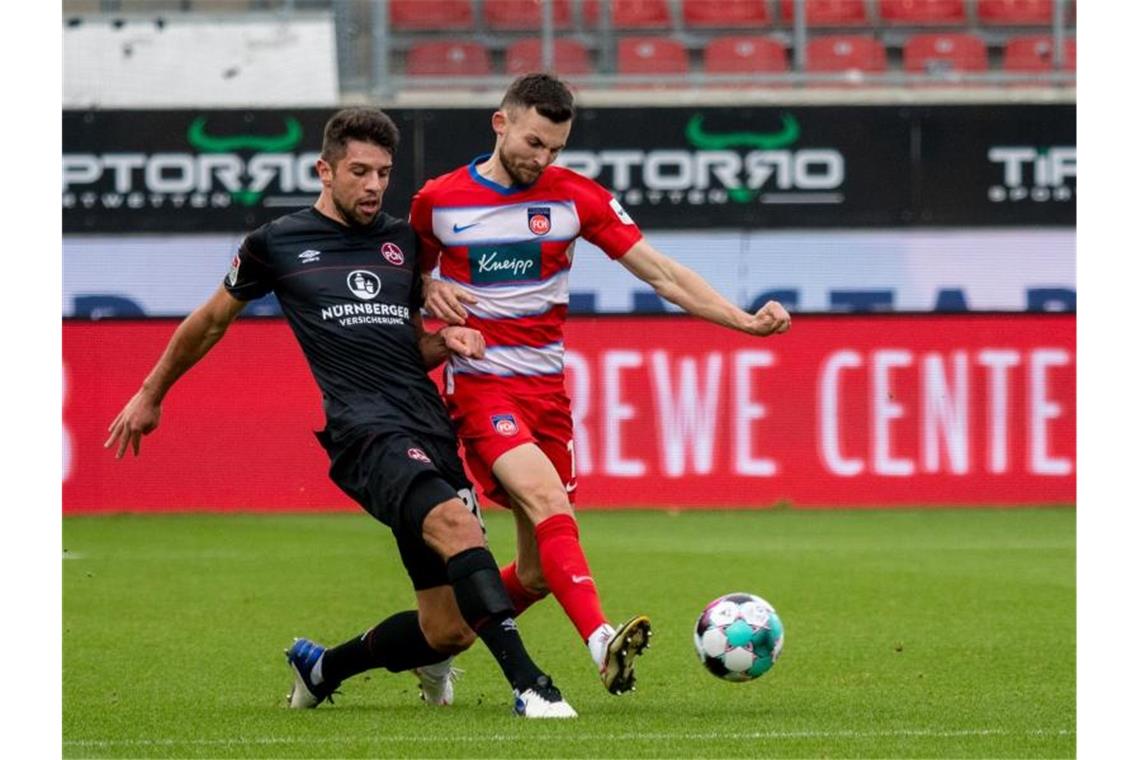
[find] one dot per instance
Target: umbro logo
(309, 256)
(457, 228)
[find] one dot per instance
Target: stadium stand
(922, 12)
(828, 12)
(1035, 53)
(745, 55)
(524, 15)
(431, 15)
(448, 58)
(941, 53)
(570, 57)
(845, 52)
(499, 38)
(115, 62)
(724, 14)
(651, 55)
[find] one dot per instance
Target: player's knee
(450, 528)
(546, 501)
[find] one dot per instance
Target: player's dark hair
(369, 125)
(547, 93)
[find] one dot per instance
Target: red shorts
(494, 415)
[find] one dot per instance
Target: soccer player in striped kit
(502, 230)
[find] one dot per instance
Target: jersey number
(467, 496)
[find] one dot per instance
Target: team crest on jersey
(392, 253)
(364, 284)
(538, 218)
(232, 275)
(419, 456)
(504, 424)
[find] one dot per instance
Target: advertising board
(855, 411)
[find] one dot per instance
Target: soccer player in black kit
(347, 278)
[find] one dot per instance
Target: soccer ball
(738, 637)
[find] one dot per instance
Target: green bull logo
(223, 170)
(719, 167)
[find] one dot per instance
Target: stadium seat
(745, 55)
(431, 15)
(513, 15)
(922, 12)
(1035, 53)
(631, 14)
(940, 53)
(570, 57)
(651, 55)
(827, 12)
(1015, 12)
(725, 14)
(451, 58)
(845, 53)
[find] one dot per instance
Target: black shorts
(398, 479)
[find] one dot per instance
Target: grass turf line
(909, 633)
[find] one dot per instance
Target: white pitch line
(269, 740)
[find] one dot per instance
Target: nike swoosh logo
(581, 579)
(458, 228)
(702, 140)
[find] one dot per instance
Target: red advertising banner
(843, 411)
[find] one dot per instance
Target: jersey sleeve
(250, 276)
(604, 222)
(420, 218)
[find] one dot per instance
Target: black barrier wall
(675, 168)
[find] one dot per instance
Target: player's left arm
(682, 286)
(436, 347)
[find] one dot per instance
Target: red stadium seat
(510, 15)
(725, 14)
(570, 57)
(922, 12)
(745, 55)
(939, 53)
(845, 53)
(1035, 53)
(430, 15)
(651, 55)
(631, 14)
(1015, 12)
(828, 12)
(450, 58)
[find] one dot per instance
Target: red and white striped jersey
(512, 247)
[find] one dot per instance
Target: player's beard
(352, 216)
(518, 170)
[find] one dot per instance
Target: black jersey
(349, 295)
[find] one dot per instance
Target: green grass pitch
(947, 633)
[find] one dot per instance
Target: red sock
(567, 574)
(521, 596)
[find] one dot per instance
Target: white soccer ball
(738, 637)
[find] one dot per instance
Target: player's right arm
(442, 299)
(191, 341)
